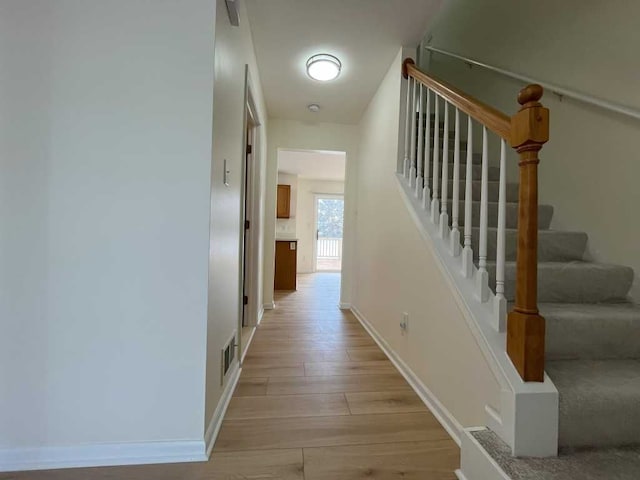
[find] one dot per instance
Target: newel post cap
(406, 62)
(530, 94)
(530, 125)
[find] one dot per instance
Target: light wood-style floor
(317, 400)
(328, 264)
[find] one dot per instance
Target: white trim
(245, 348)
(269, 306)
(475, 461)
(260, 314)
(560, 91)
(344, 306)
(218, 415)
(446, 419)
(101, 455)
(460, 475)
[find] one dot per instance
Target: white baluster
(483, 275)
(467, 252)
(455, 202)
(435, 202)
(500, 305)
(419, 156)
(407, 130)
(426, 194)
(412, 149)
(444, 214)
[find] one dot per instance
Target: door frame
(314, 252)
(247, 215)
(251, 189)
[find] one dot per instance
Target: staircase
(592, 352)
(593, 331)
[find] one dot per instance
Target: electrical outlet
(404, 322)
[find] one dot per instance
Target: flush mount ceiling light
(314, 107)
(323, 67)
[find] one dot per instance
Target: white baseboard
(101, 455)
(460, 475)
(113, 454)
(446, 419)
(247, 344)
(269, 305)
(475, 461)
(218, 415)
(344, 306)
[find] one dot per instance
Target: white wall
(287, 227)
(296, 135)
(233, 50)
(105, 157)
(590, 166)
(395, 272)
(305, 225)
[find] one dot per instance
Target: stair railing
(426, 154)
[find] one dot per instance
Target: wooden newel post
(525, 326)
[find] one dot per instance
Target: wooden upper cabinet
(283, 209)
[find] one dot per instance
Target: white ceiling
(312, 164)
(364, 34)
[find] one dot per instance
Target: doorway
(304, 176)
(329, 222)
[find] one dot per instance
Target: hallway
(317, 400)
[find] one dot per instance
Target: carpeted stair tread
(451, 144)
(572, 282)
(493, 189)
(591, 331)
(476, 158)
(545, 213)
(599, 401)
(570, 464)
(476, 172)
(553, 245)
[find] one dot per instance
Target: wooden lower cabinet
(286, 265)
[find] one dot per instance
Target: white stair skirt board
(527, 419)
(475, 461)
(446, 419)
(102, 455)
(218, 415)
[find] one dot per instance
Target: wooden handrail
(526, 131)
(493, 119)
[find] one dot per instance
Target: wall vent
(228, 356)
